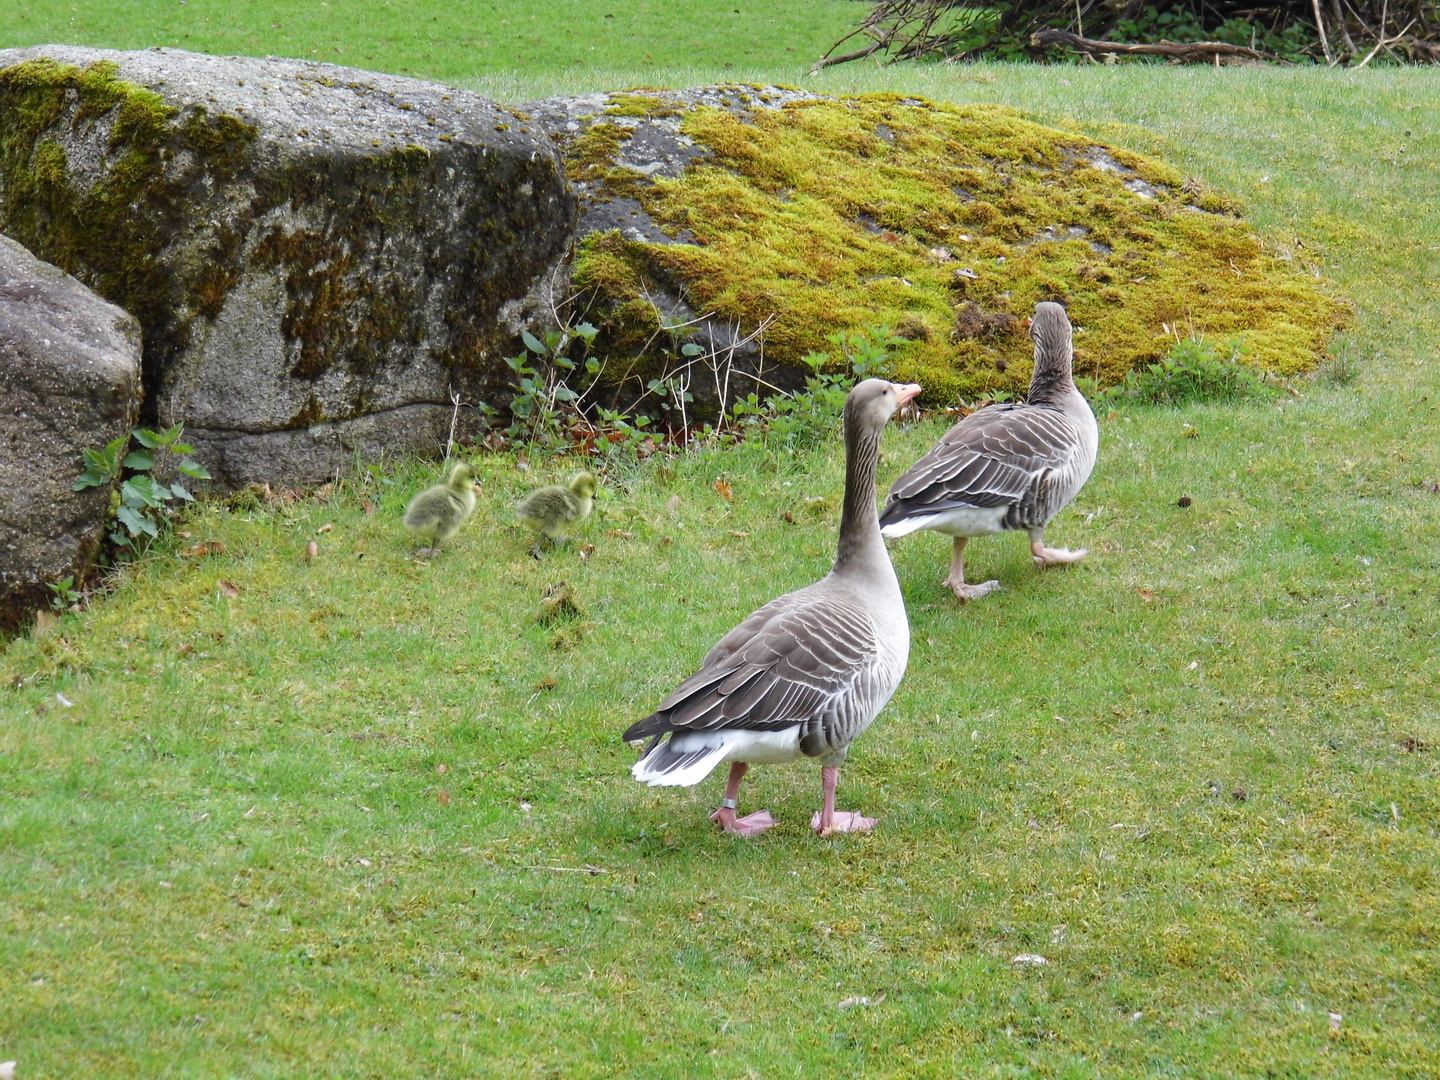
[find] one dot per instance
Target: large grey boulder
(69, 379)
(319, 256)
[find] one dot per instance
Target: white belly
(754, 747)
(958, 521)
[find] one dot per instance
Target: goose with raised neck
(808, 672)
(1005, 467)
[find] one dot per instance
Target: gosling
(549, 509)
(438, 512)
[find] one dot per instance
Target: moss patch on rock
(948, 223)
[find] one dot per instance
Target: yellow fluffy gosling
(438, 512)
(548, 510)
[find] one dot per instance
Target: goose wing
(995, 457)
(797, 659)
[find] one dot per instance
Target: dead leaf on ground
(621, 534)
(673, 506)
(228, 589)
(368, 507)
(739, 535)
(586, 550)
(666, 541)
(46, 622)
(722, 487)
(442, 768)
(312, 549)
(325, 528)
(186, 649)
(205, 547)
(1145, 594)
(549, 682)
(788, 518)
(444, 798)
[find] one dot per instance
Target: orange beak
(906, 393)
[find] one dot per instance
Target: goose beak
(905, 393)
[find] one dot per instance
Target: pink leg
(750, 824)
(831, 821)
(956, 580)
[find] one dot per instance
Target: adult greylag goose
(807, 673)
(1005, 466)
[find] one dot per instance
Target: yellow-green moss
(834, 214)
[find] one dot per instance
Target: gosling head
(583, 484)
(462, 477)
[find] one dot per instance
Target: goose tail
(662, 765)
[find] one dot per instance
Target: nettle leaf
(135, 521)
(142, 460)
(119, 539)
(170, 434)
(691, 349)
(145, 437)
(586, 331)
(194, 469)
(144, 490)
(180, 492)
(532, 343)
(181, 448)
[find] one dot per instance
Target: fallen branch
(1384, 43)
(1184, 52)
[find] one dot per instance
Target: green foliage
(1196, 370)
(142, 505)
(810, 416)
(544, 405)
(64, 593)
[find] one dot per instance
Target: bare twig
(1190, 51)
(1384, 43)
(1320, 29)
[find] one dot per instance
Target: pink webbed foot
(842, 821)
(749, 825)
(1048, 556)
(964, 592)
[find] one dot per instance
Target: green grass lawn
(234, 853)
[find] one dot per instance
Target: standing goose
(807, 673)
(1006, 466)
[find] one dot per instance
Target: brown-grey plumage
(807, 673)
(1006, 466)
(551, 509)
(438, 512)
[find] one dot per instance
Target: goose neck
(861, 546)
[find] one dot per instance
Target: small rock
(1031, 959)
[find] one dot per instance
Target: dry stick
(1320, 26)
(1188, 51)
(1384, 44)
(454, 415)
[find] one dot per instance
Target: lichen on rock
(318, 256)
(947, 223)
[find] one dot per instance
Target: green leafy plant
(64, 593)
(1195, 371)
(141, 509)
(544, 399)
(810, 415)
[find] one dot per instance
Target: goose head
(872, 402)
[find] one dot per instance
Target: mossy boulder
(734, 204)
(69, 380)
(319, 256)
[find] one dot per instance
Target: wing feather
(797, 660)
(998, 456)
